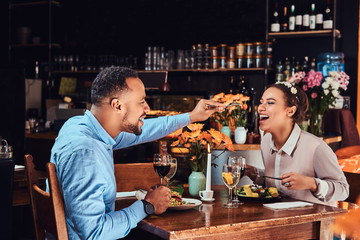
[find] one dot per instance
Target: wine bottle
(312, 18)
(305, 66)
(319, 20)
(275, 26)
(279, 75)
(328, 21)
(292, 19)
(287, 69)
(284, 23)
(313, 65)
(306, 21)
(298, 21)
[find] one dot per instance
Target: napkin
(287, 205)
(125, 194)
(19, 167)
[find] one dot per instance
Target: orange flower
(215, 134)
(175, 143)
(218, 96)
(194, 134)
(195, 126)
(187, 145)
(244, 106)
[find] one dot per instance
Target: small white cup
(206, 195)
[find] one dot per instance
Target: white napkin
(125, 194)
(286, 205)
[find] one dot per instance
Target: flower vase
(316, 125)
(240, 135)
(196, 183)
(226, 130)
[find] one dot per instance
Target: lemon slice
(228, 178)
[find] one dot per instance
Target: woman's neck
(281, 135)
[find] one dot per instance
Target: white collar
(290, 143)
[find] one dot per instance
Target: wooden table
(250, 221)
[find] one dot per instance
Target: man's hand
(160, 198)
(204, 109)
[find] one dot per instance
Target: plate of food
(178, 203)
(258, 193)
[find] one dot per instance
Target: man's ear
(115, 104)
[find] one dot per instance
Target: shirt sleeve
(83, 181)
(153, 129)
(331, 181)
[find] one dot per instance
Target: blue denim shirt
(83, 155)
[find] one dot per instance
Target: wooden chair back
(353, 180)
(43, 212)
(130, 175)
(57, 202)
(347, 152)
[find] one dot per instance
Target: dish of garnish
(178, 203)
(253, 192)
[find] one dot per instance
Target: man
(83, 154)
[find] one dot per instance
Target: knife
(275, 178)
(141, 190)
(231, 104)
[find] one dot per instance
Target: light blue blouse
(83, 155)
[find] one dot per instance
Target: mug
(206, 195)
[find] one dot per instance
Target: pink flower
(305, 88)
(314, 95)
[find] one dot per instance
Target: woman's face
(273, 112)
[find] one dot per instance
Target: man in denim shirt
(83, 154)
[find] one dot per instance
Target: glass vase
(240, 135)
(196, 183)
(316, 125)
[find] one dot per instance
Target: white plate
(193, 203)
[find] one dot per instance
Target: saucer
(207, 200)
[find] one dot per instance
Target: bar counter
(250, 221)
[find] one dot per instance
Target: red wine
(242, 172)
(161, 169)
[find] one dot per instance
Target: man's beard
(131, 128)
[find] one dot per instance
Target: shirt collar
(290, 143)
(99, 130)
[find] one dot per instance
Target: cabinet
(31, 40)
(294, 43)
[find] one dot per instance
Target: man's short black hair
(110, 81)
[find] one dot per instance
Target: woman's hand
(296, 181)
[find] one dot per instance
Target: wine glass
(241, 162)
(161, 165)
(173, 168)
(231, 177)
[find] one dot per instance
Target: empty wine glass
(231, 177)
(241, 163)
(161, 165)
(173, 168)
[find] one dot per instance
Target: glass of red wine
(241, 163)
(162, 165)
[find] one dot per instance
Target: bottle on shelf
(275, 25)
(306, 21)
(319, 20)
(292, 19)
(279, 75)
(292, 66)
(287, 69)
(328, 21)
(313, 65)
(312, 18)
(284, 23)
(305, 66)
(298, 21)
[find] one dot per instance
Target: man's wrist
(148, 207)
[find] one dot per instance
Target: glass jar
(231, 52)
(214, 63)
(222, 62)
(213, 52)
(249, 61)
(249, 49)
(230, 63)
(222, 50)
(269, 60)
(258, 61)
(240, 62)
(258, 48)
(240, 49)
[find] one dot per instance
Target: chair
(6, 179)
(57, 202)
(43, 212)
(347, 152)
(130, 175)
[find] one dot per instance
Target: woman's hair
(294, 96)
(110, 81)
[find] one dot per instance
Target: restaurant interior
(183, 51)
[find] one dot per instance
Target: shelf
(318, 33)
(172, 70)
(35, 45)
(37, 3)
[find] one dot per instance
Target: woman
(306, 164)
